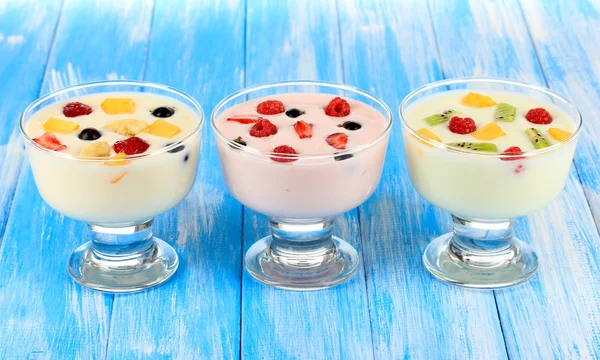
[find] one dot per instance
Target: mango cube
(96, 149)
(115, 106)
(60, 126)
(488, 132)
(127, 127)
(477, 100)
(558, 134)
(429, 134)
(163, 129)
(116, 160)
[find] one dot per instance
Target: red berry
(460, 125)
(74, 109)
(513, 150)
(263, 128)
(49, 141)
(133, 145)
(244, 120)
(539, 116)
(270, 107)
(286, 154)
(338, 107)
(338, 140)
(303, 129)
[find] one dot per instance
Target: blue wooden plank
(49, 316)
(197, 47)
(557, 313)
(302, 42)
(389, 48)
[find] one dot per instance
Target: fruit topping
(118, 178)
(175, 149)
(538, 140)
(60, 126)
(115, 106)
(49, 141)
(131, 146)
(437, 119)
(244, 120)
(488, 132)
(294, 113)
(270, 107)
(350, 125)
(263, 128)
(429, 134)
(513, 150)
(488, 147)
(505, 112)
(163, 129)
(342, 157)
(460, 125)
(539, 116)
(74, 109)
(89, 134)
(338, 107)
(163, 112)
(96, 149)
(186, 157)
(477, 100)
(127, 127)
(284, 154)
(240, 141)
(117, 160)
(303, 129)
(338, 140)
(559, 134)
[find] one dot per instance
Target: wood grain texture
(389, 48)
(556, 314)
(197, 47)
(300, 40)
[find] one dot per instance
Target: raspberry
(460, 125)
(49, 141)
(538, 116)
(270, 107)
(303, 129)
(263, 128)
(133, 145)
(338, 107)
(286, 152)
(513, 150)
(338, 140)
(74, 109)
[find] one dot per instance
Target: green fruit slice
(505, 112)
(488, 147)
(537, 139)
(437, 119)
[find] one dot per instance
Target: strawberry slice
(303, 129)
(244, 120)
(49, 141)
(338, 140)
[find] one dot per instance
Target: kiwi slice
(505, 112)
(536, 137)
(482, 146)
(437, 119)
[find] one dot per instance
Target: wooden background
(212, 309)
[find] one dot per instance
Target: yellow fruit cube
(115, 160)
(163, 129)
(60, 126)
(477, 100)
(429, 134)
(558, 134)
(488, 132)
(127, 127)
(114, 106)
(96, 149)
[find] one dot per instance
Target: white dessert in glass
(301, 153)
(488, 151)
(115, 154)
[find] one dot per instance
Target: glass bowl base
(302, 271)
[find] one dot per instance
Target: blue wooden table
(212, 309)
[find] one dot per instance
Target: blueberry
(163, 112)
(175, 149)
(294, 113)
(350, 125)
(186, 157)
(342, 157)
(89, 134)
(240, 141)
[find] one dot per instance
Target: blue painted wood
(196, 314)
(302, 42)
(389, 48)
(557, 313)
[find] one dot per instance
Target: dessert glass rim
(316, 156)
(26, 114)
(493, 80)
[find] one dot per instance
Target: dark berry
(350, 125)
(74, 109)
(163, 112)
(131, 146)
(338, 107)
(89, 134)
(270, 107)
(175, 149)
(539, 116)
(294, 113)
(186, 157)
(342, 157)
(240, 141)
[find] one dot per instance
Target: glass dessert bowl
(488, 151)
(301, 153)
(115, 154)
